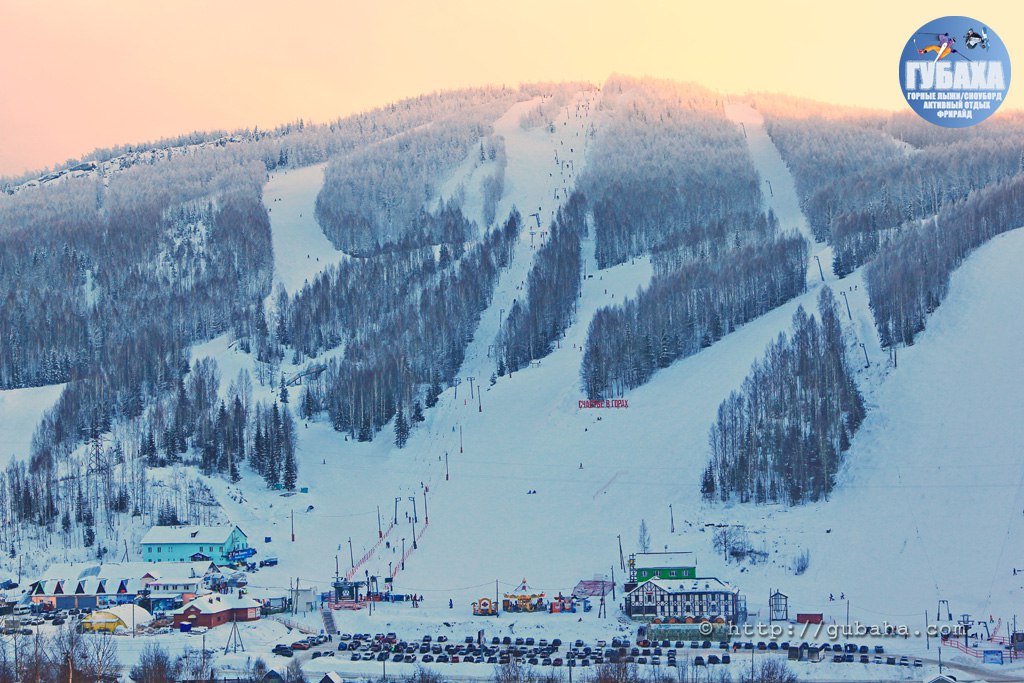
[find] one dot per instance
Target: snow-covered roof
(188, 534)
(217, 602)
(698, 585)
(165, 571)
(682, 558)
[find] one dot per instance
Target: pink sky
(78, 75)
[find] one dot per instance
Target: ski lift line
(917, 532)
(445, 590)
(1006, 538)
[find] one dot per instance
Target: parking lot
(389, 648)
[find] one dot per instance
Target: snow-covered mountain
(511, 477)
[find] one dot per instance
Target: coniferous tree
(401, 428)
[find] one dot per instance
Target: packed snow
(301, 250)
(20, 412)
(521, 482)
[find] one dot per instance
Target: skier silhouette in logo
(943, 49)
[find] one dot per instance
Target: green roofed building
(668, 566)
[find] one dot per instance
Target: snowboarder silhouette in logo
(973, 39)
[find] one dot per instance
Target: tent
(125, 616)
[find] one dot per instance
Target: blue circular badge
(955, 72)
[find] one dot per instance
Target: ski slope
(301, 250)
(21, 410)
(779, 188)
(902, 530)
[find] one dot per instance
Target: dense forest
(861, 175)
(910, 278)
(531, 329)
(690, 309)
(782, 437)
(664, 160)
(411, 337)
(152, 251)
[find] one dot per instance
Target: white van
(22, 609)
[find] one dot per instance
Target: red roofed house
(216, 609)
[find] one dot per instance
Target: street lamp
(414, 515)
(397, 500)
(403, 554)
(847, 305)
(412, 520)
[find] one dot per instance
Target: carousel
(523, 599)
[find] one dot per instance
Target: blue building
(219, 544)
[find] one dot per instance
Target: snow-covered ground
(20, 413)
(778, 187)
(929, 504)
(301, 250)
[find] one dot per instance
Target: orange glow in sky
(79, 75)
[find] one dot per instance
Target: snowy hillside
(300, 248)
(20, 412)
(512, 478)
(531, 435)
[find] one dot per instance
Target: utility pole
(672, 518)
(446, 465)
(460, 438)
(847, 613)
(479, 401)
(471, 380)
(820, 271)
(397, 498)
(415, 517)
(293, 526)
(613, 583)
(455, 383)
(412, 520)
(927, 638)
(867, 363)
(351, 555)
(770, 191)
(403, 554)
(847, 305)
(622, 558)
(426, 516)
(380, 530)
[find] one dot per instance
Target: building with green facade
(668, 566)
(219, 544)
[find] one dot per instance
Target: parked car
(300, 645)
